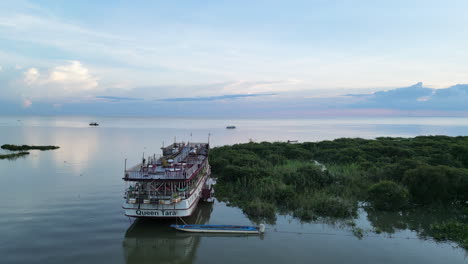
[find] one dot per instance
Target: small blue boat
(221, 229)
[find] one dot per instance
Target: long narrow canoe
(221, 229)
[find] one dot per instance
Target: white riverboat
(170, 185)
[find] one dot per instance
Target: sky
(72, 57)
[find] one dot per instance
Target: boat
(234, 229)
(93, 124)
(231, 127)
(170, 185)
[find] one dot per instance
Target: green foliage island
(333, 179)
(26, 147)
(21, 150)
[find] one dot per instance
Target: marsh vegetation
(26, 147)
(332, 179)
(18, 151)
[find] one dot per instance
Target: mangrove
(333, 178)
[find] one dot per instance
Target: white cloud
(27, 103)
(31, 76)
(72, 77)
(158, 55)
(1, 68)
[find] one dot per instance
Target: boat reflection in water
(153, 241)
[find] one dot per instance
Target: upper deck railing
(184, 169)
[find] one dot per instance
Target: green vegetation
(13, 156)
(387, 174)
(440, 222)
(387, 195)
(27, 147)
(454, 231)
(21, 150)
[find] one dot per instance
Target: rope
(182, 220)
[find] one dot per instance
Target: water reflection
(151, 241)
(418, 220)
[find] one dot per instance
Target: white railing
(142, 173)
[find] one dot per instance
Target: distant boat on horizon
(93, 124)
(230, 127)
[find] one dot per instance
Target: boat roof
(180, 161)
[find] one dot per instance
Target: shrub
(308, 176)
(387, 195)
(257, 208)
(325, 204)
(428, 184)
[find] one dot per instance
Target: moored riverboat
(170, 185)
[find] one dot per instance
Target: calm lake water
(64, 206)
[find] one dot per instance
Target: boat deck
(179, 171)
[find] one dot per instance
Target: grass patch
(27, 147)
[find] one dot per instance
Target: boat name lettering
(156, 213)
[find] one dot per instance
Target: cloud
(72, 77)
(118, 98)
(26, 103)
(417, 97)
(206, 91)
(212, 98)
(1, 68)
(31, 76)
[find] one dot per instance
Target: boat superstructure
(170, 185)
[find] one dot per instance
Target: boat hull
(218, 229)
(183, 208)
